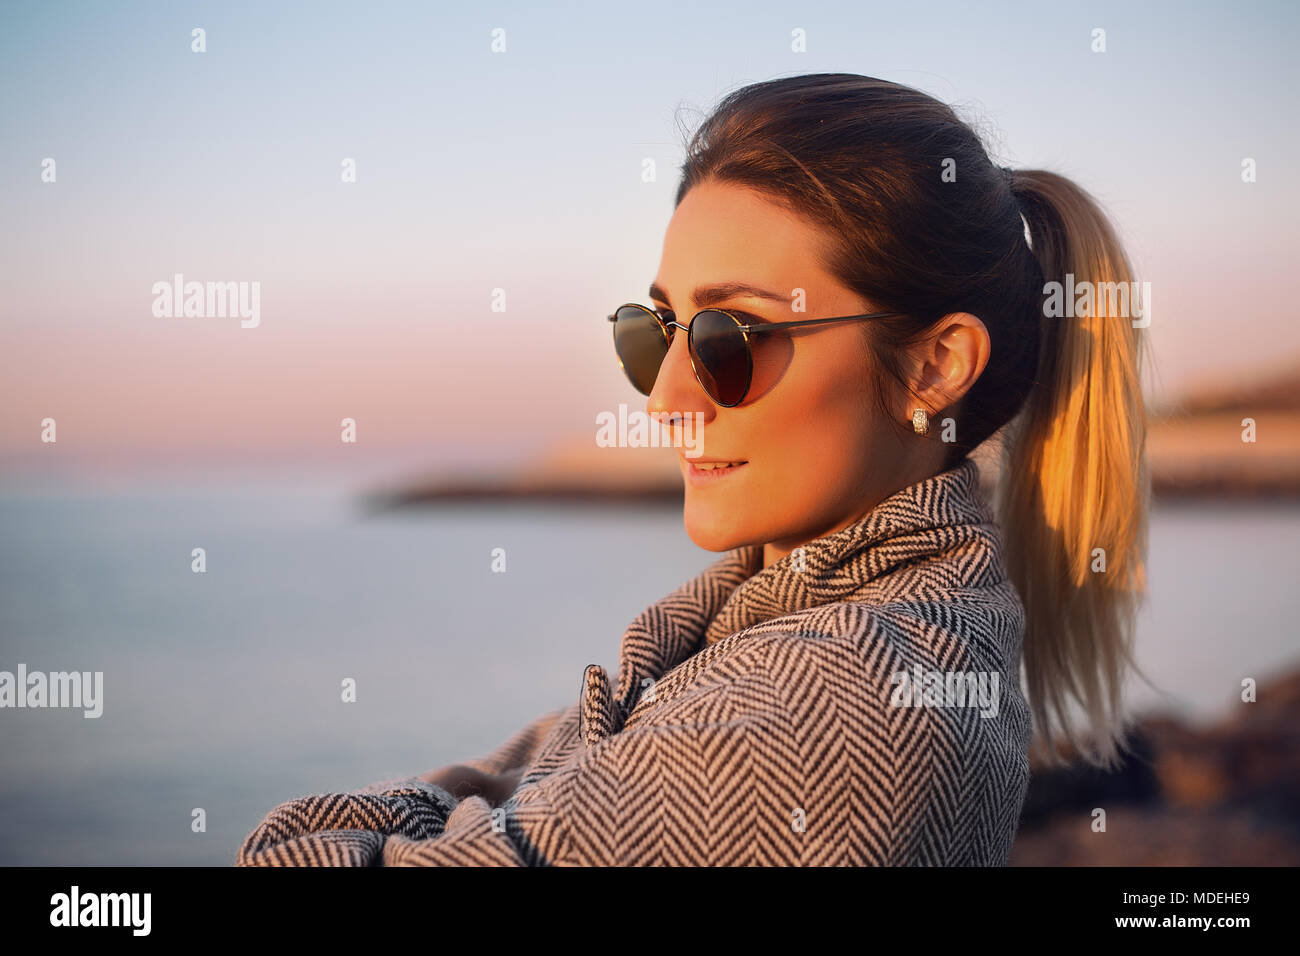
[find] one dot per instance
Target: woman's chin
(712, 534)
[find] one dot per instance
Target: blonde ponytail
(1074, 501)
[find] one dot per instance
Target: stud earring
(920, 422)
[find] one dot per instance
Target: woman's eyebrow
(710, 295)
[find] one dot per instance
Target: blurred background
(390, 181)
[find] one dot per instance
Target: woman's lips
(701, 477)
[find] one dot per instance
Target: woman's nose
(677, 390)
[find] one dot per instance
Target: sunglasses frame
(745, 331)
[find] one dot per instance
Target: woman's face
(817, 452)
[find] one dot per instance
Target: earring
(920, 422)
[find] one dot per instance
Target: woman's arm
(695, 791)
(696, 782)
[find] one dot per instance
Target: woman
(843, 686)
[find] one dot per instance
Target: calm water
(222, 690)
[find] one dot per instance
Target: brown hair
(921, 221)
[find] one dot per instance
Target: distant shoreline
(1207, 488)
(1191, 457)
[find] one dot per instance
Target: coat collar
(736, 592)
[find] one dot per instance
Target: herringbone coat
(757, 720)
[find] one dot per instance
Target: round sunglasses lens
(722, 356)
(641, 346)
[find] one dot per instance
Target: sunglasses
(718, 343)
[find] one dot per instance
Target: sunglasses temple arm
(773, 326)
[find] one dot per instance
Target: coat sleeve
(348, 829)
(696, 781)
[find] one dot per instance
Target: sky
(521, 170)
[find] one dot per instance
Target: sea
(324, 645)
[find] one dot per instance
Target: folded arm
(692, 783)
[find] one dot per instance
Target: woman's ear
(949, 362)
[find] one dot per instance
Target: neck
(774, 551)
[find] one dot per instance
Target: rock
(1227, 795)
